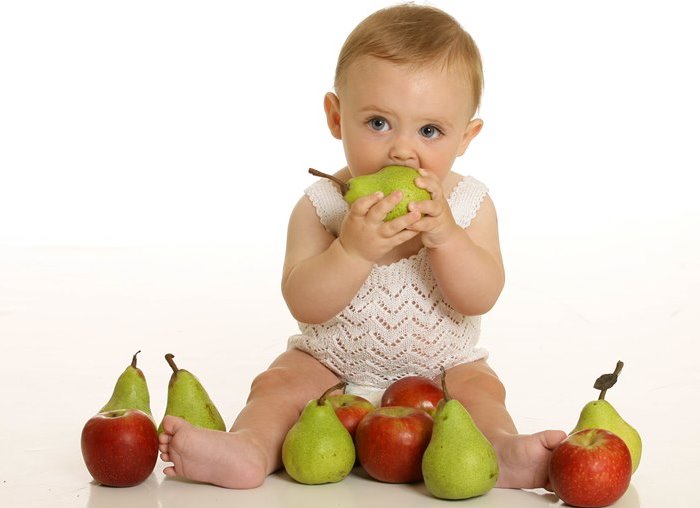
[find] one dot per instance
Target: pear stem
(618, 369)
(342, 184)
(322, 400)
(133, 359)
(444, 384)
(169, 358)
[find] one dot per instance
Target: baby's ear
(331, 104)
(473, 129)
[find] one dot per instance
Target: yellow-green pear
(600, 414)
(130, 391)
(386, 180)
(459, 461)
(318, 448)
(188, 399)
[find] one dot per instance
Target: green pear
(600, 414)
(459, 461)
(130, 391)
(188, 399)
(386, 180)
(318, 448)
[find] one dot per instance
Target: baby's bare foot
(523, 459)
(227, 459)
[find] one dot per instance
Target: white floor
(70, 319)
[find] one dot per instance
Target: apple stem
(169, 358)
(133, 359)
(618, 369)
(342, 184)
(444, 384)
(322, 400)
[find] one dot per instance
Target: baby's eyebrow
(377, 109)
(439, 121)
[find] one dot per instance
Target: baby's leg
(252, 449)
(522, 458)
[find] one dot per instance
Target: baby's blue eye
(430, 131)
(378, 124)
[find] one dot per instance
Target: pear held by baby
(386, 180)
(459, 462)
(318, 448)
(600, 414)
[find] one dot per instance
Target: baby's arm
(467, 264)
(468, 267)
(323, 273)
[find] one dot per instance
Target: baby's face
(394, 115)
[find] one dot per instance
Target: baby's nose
(402, 153)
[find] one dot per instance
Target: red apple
(390, 442)
(591, 468)
(413, 391)
(120, 447)
(350, 409)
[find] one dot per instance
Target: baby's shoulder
(327, 204)
(467, 197)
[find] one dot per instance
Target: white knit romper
(397, 324)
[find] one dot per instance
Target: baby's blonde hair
(418, 36)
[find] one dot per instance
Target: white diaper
(371, 393)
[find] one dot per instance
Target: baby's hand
(437, 224)
(364, 232)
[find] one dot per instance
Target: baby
(380, 300)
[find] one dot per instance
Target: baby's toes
(552, 438)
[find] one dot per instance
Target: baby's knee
(285, 381)
(474, 378)
(490, 383)
(273, 381)
(292, 373)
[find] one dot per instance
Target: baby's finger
(430, 207)
(426, 223)
(400, 223)
(362, 205)
(429, 182)
(384, 206)
(404, 236)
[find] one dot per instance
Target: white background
(150, 154)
